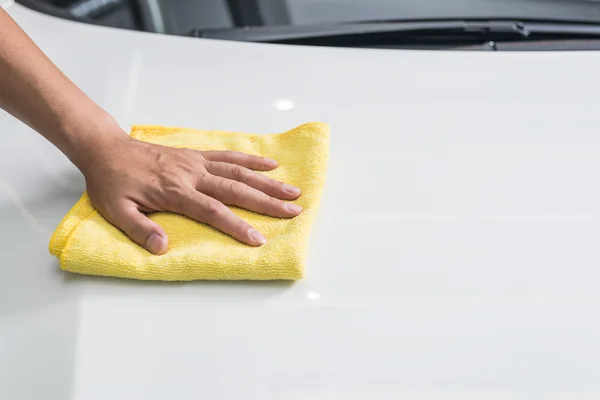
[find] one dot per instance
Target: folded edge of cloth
(85, 243)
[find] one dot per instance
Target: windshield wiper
(390, 33)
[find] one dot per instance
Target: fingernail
(156, 244)
(256, 236)
(291, 189)
(270, 161)
(295, 208)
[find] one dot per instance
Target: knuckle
(174, 165)
(224, 155)
(174, 190)
(204, 179)
(272, 183)
(239, 173)
(190, 152)
(176, 195)
(212, 209)
(136, 229)
(236, 188)
(162, 160)
(195, 156)
(273, 203)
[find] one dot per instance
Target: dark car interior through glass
(488, 25)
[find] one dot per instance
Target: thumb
(140, 229)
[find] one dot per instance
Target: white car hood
(455, 254)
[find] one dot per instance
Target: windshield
(204, 17)
(179, 17)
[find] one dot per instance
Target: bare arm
(156, 178)
(35, 91)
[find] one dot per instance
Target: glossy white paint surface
(456, 254)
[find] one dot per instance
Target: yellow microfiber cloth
(86, 243)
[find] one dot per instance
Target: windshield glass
(286, 21)
(180, 17)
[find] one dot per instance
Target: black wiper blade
(280, 34)
(483, 29)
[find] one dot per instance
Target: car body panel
(455, 254)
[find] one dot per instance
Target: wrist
(92, 139)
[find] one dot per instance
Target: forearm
(126, 178)
(35, 91)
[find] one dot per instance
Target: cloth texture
(86, 243)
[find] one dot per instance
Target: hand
(126, 178)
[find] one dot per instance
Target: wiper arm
(351, 32)
(302, 32)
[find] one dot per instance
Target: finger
(242, 159)
(239, 194)
(207, 210)
(140, 228)
(254, 179)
